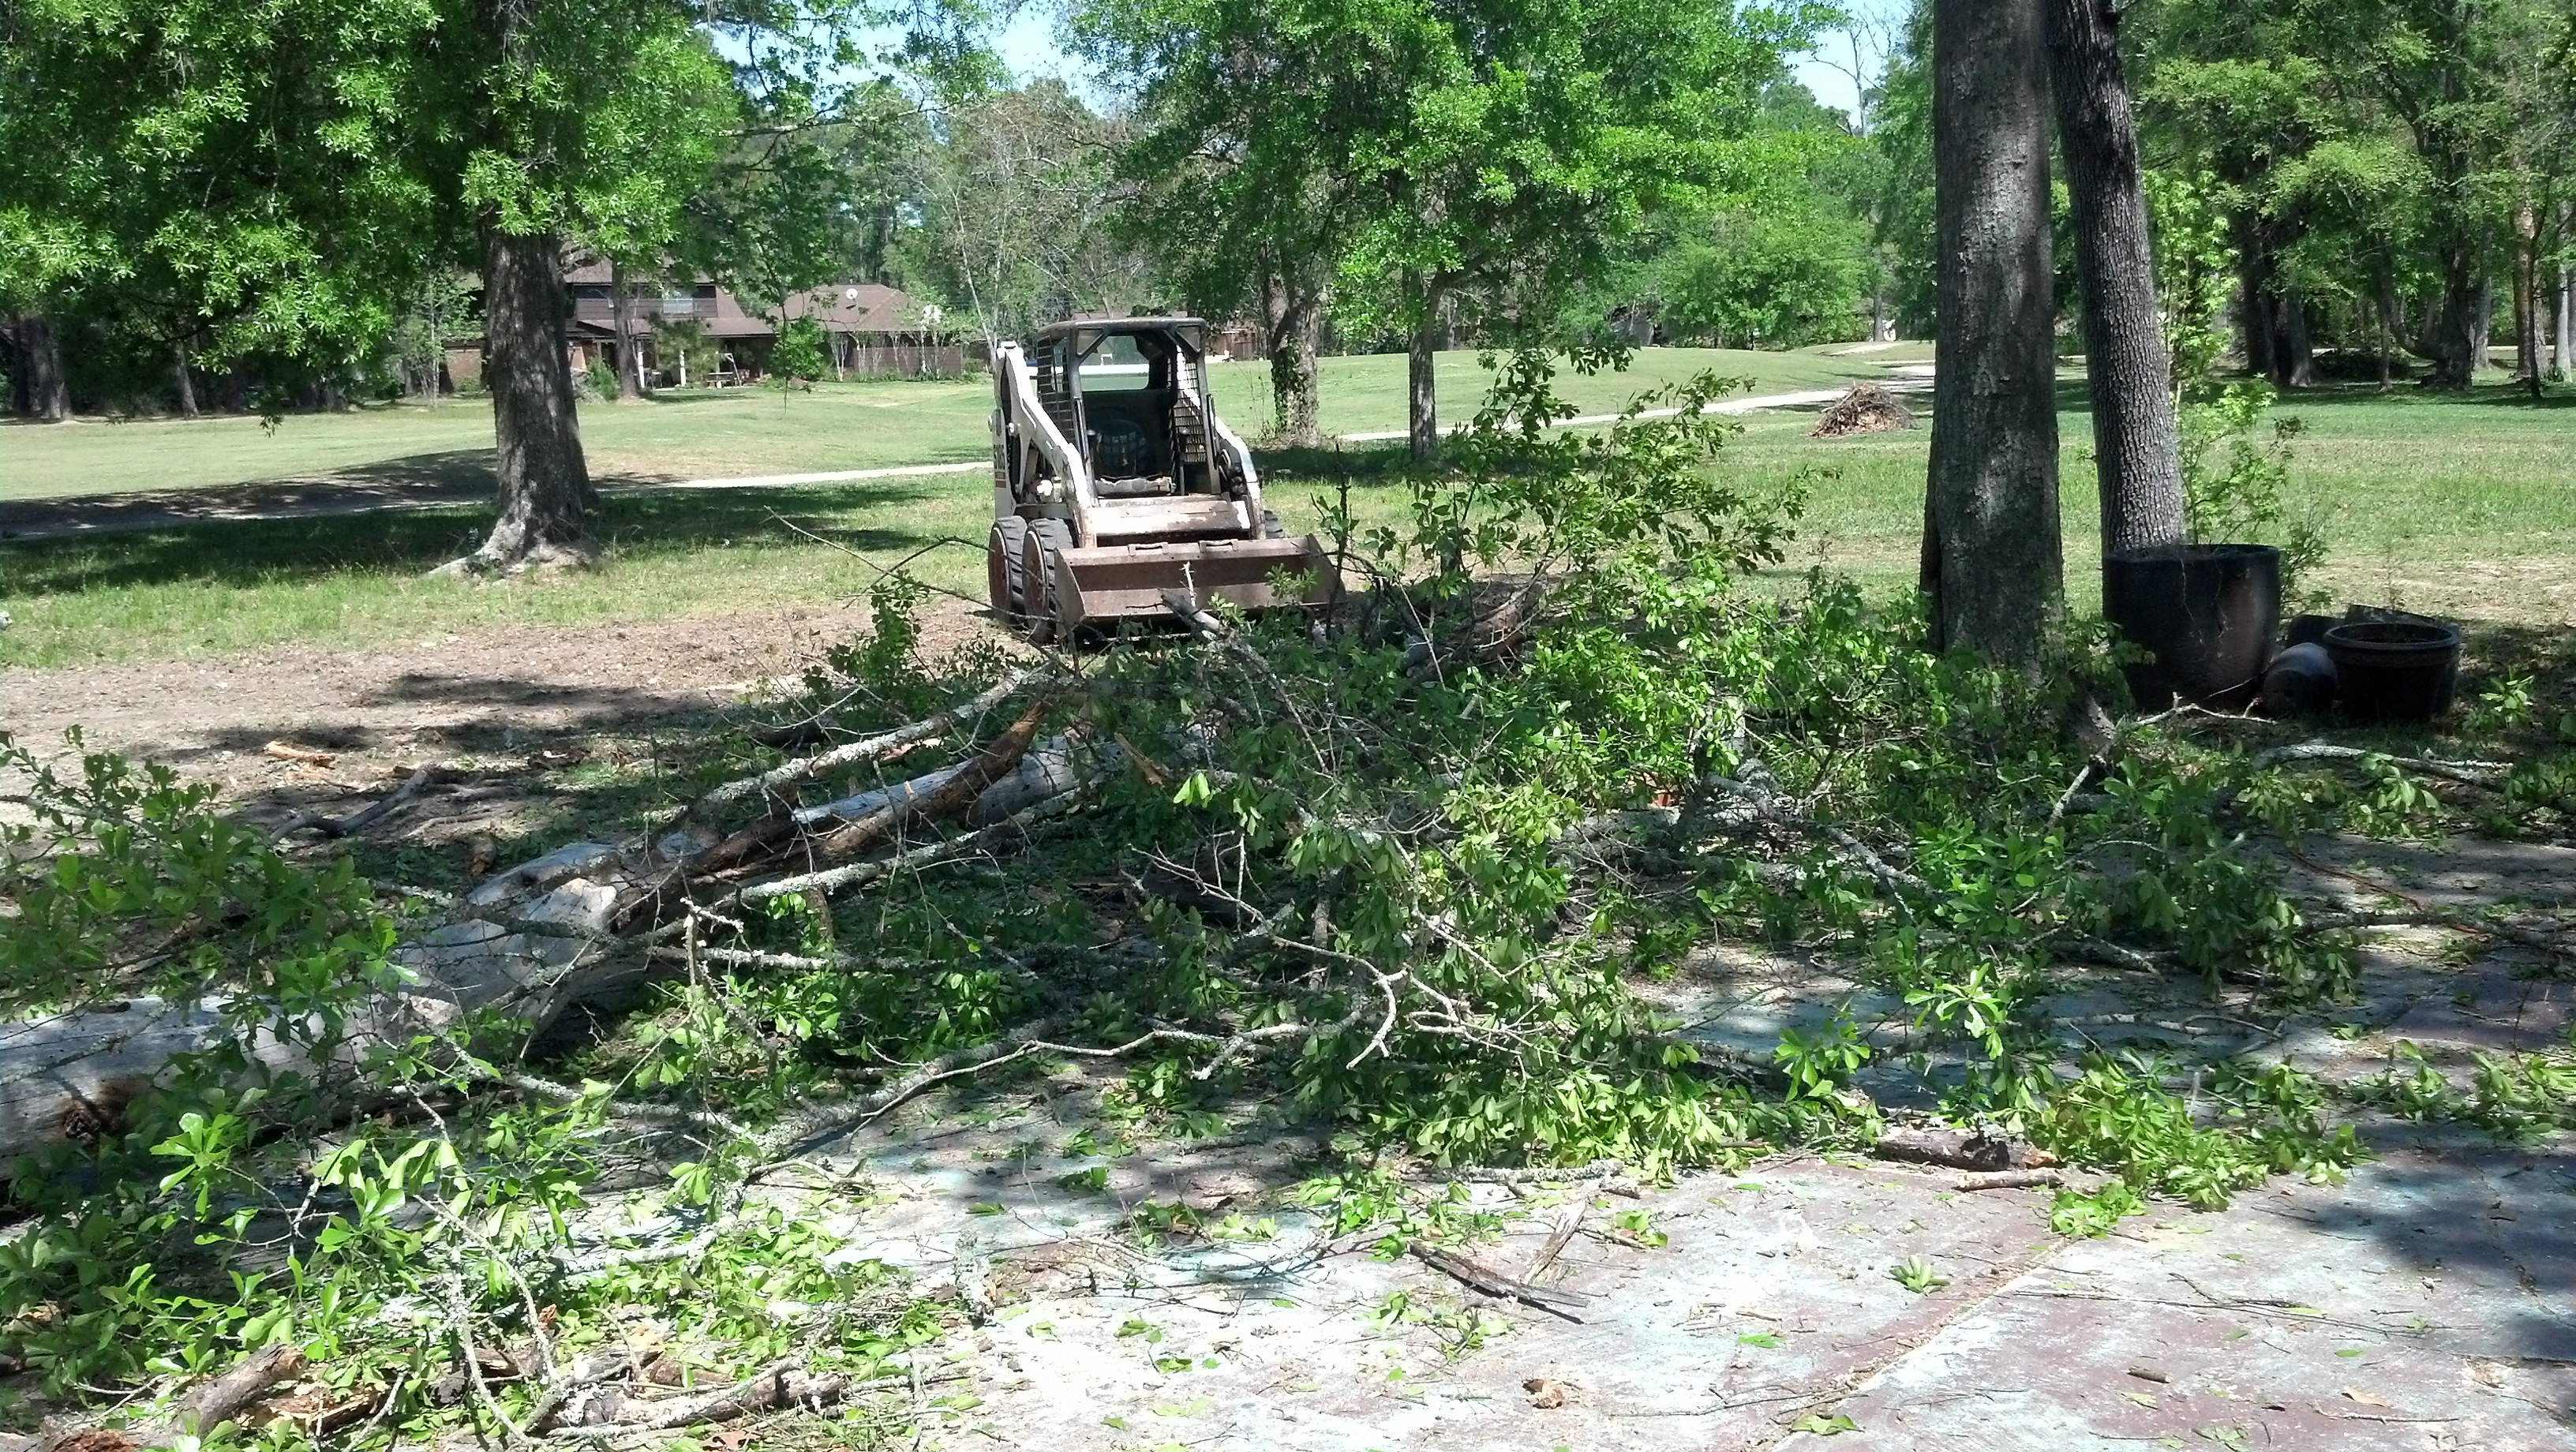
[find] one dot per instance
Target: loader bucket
(1126, 582)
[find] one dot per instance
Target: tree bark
(2253, 296)
(2567, 323)
(1294, 319)
(1992, 571)
(2528, 363)
(2482, 324)
(528, 949)
(546, 495)
(187, 387)
(1422, 413)
(630, 358)
(2294, 351)
(2136, 448)
(40, 353)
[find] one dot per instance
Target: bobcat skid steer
(1117, 493)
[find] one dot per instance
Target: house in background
(870, 330)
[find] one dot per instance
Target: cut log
(1962, 1149)
(211, 1402)
(530, 946)
(526, 944)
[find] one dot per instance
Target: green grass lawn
(709, 434)
(2458, 506)
(2452, 505)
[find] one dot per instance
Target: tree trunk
(2383, 312)
(1422, 416)
(2253, 296)
(630, 358)
(2454, 335)
(84, 1066)
(1992, 568)
(1293, 317)
(2136, 449)
(2566, 323)
(49, 393)
(2294, 352)
(546, 496)
(2526, 298)
(2482, 325)
(179, 375)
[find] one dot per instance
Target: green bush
(802, 352)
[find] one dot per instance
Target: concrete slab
(2428, 1303)
(2431, 1297)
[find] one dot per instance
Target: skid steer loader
(1117, 493)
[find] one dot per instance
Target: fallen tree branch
(2010, 1180)
(807, 768)
(361, 820)
(860, 873)
(649, 1113)
(218, 1399)
(1492, 1282)
(821, 1120)
(2474, 773)
(2545, 940)
(949, 795)
(1777, 809)
(1556, 1244)
(783, 1383)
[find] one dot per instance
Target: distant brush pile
(1867, 409)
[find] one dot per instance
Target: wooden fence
(901, 360)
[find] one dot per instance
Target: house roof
(849, 307)
(858, 307)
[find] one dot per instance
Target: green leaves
(1819, 1064)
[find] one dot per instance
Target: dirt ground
(474, 704)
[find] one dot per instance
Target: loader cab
(1130, 394)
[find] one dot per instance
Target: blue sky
(1028, 44)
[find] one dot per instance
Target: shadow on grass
(458, 475)
(240, 553)
(2414, 395)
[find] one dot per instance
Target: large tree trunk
(1293, 318)
(630, 357)
(1992, 568)
(40, 354)
(2453, 334)
(2294, 351)
(2253, 296)
(546, 496)
(187, 386)
(528, 945)
(1422, 396)
(2136, 449)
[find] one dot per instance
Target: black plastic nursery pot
(2394, 670)
(2207, 614)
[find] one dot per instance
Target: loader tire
(1005, 573)
(1042, 569)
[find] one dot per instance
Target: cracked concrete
(2429, 1302)
(2427, 1299)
